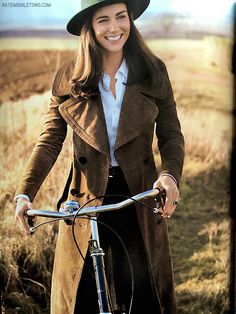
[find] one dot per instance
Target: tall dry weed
(26, 262)
(208, 138)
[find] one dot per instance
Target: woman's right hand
(22, 206)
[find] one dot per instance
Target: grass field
(199, 229)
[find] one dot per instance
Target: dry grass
(26, 262)
(199, 229)
(26, 266)
(204, 288)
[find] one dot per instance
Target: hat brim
(135, 7)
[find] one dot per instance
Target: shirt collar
(123, 70)
(122, 73)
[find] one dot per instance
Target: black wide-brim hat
(74, 26)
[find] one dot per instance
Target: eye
(102, 21)
(121, 17)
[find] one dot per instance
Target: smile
(114, 38)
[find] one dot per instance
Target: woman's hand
(22, 206)
(172, 194)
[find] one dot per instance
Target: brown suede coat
(143, 107)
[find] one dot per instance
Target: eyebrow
(106, 16)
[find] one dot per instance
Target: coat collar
(61, 85)
(87, 119)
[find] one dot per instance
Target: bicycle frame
(69, 211)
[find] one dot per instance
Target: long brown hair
(88, 66)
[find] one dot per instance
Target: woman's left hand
(172, 194)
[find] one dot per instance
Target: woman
(112, 96)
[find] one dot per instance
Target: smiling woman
(114, 96)
(112, 27)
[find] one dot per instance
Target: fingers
(21, 207)
(172, 197)
(172, 194)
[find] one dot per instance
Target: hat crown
(88, 3)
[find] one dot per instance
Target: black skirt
(118, 273)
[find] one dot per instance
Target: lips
(114, 38)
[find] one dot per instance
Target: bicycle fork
(96, 252)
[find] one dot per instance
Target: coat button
(76, 193)
(82, 160)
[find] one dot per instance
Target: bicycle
(72, 210)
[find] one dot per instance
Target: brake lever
(31, 224)
(160, 201)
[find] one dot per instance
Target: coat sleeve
(168, 131)
(51, 139)
(46, 150)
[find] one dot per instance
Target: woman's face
(111, 26)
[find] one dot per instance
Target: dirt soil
(24, 73)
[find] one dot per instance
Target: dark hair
(139, 57)
(88, 66)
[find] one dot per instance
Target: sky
(57, 12)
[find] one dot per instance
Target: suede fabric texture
(143, 107)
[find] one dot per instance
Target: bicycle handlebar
(62, 214)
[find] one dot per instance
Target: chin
(114, 48)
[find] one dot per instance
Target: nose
(113, 26)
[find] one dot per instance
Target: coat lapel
(138, 110)
(87, 119)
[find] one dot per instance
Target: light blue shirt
(112, 105)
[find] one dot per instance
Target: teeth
(112, 38)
